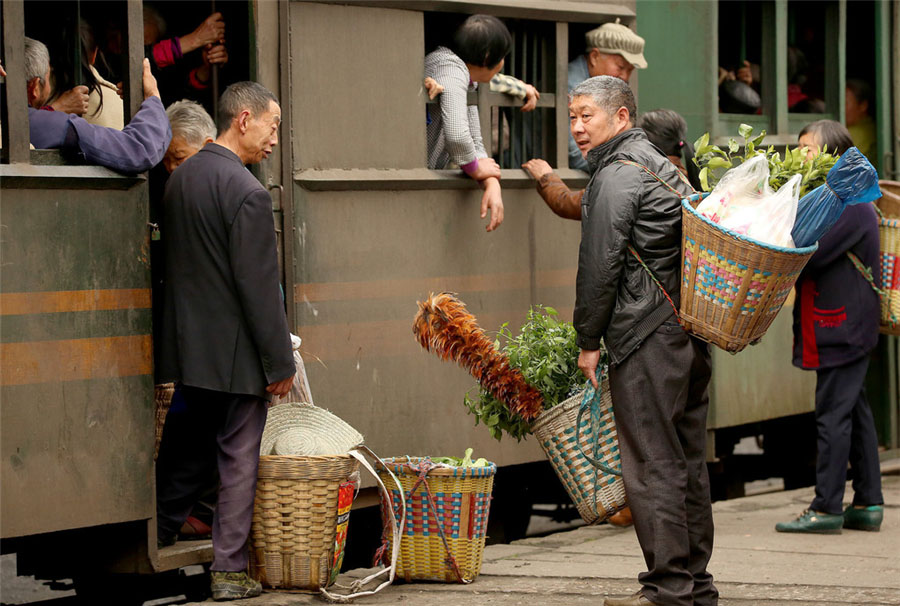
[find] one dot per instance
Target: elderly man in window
(612, 50)
(134, 149)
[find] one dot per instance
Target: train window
(514, 136)
(740, 57)
(806, 57)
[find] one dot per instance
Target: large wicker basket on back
(889, 230)
(294, 519)
(732, 287)
(569, 446)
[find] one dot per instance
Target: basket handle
(360, 453)
(591, 403)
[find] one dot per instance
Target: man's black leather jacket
(616, 299)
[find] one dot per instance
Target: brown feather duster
(445, 327)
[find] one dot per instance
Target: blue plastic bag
(852, 180)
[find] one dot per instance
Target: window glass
(740, 57)
(806, 57)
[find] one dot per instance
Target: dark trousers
(660, 399)
(214, 431)
(846, 432)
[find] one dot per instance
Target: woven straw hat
(617, 39)
(296, 428)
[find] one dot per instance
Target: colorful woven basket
(294, 519)
(571, 443)
(889, 230)
(446, 517)
(732, 287)
(162, 399)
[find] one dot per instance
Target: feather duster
(444, 327)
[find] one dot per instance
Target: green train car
(365, 230)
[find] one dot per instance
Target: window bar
(535, 81)
(15, 109)
(561, 123)
(133, 58)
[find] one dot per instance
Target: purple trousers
(213, 430)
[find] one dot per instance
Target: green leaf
(701, 143)
(733, 146)
(745, 130)
(719, 163)
(704, 178)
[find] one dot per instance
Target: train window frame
(780, 124)
(22, 166)
(558, 16)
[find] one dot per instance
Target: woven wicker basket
(732, 287)
(444, 542)
(294, 519)
(596, 493)
(889, 230)
(162, 398)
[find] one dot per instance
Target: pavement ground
(751, 562)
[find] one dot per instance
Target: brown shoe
(622, 518)
(637, 599)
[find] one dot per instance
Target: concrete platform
(752, 564)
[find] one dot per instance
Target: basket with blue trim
(579, 438)
(446, 517)
(889, 230)
(732, 286)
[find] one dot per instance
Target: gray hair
(239, 96)
(37, 60)
(609, 93)
(151, 15)
(191, 122)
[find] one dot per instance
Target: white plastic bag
(300, 387)
(744, 203)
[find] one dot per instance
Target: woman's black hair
(63, 62)
(862, 91)
(482, 40)
(667, 130)
(829, 133)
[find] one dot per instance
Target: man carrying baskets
(629, 260)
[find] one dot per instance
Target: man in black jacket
(659, 375)
(225, 337)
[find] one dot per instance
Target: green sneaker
(233, 586)
(864, 518)
(813, 522)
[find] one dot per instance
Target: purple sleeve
(136, 148)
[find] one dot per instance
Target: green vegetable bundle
(546, 354)
(714, 161)
(466, 461)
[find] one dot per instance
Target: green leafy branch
(714, 161)
(546, 354)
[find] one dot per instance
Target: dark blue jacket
(136, 148)
(837, 312)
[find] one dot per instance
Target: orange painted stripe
(366, 340)
(420, 287)
(24, 303)
(75, 360)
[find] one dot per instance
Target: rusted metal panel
(760, 383)
(15, 113)
(76, 391)
(358, 100)
(357, 284)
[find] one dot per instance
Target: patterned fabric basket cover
(732, 287)
(889, 230)
(295, 517)
(596, 493)
(461, 498)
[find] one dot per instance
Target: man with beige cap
(612, 50)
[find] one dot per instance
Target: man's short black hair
(240, 96)
(482, 40)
